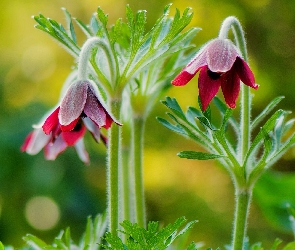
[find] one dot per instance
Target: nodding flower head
(220, 65)
(81, 106)
(54, 143)
(81, 100)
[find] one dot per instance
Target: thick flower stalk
(109, 60)
(221, 65)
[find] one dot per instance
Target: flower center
(213, 75)
(83, 115)
(78, 126)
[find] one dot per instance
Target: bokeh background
(42, 197)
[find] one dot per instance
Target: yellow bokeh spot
(42, 213)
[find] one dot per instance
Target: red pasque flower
(53, 146)
(220, 64)
(82, 100)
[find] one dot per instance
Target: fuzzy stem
(126, 185)
(85, 54)
(233, 23)
(243, 199)
(243, 194)
(137, 164)
(114, 161)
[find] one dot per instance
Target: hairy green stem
(243, 194)
(126, 197)
(137, 165)
(85, 55)
(243, 199)
(233, 24)
(114, 160)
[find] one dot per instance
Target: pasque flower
(80, 108)
(220, 65)
(54, 144)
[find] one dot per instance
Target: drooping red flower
(82, 99)
(81, 107)
(220, 65)
(53, 145)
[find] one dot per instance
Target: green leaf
(198, 155)
(192, 246)
(140, 22)
(60, 244)
(257, 246)
(187, 227)
(34, 242)
(267, 127)
(95, 26)
(84, 28)
(1, 246)
(206, 123)
(207, 112)
(276, 244)
(266, 111)
(170, 126)
(102, 17)
(71, 30)
(114, 241)
(203, 119)
(150, 238)
(116, 31)
(88, 232)
(99, 227)
(226, 117)
(290, 246)
(224, 109)
(289, 124)
(130, 18)
(173, 104)
(67, 237)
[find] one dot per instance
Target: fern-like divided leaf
(150, 238)
(131, 47)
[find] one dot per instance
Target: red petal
(230, 85)
(245, 73)
(73, 136)
(35, 141)
(182, 78)
(208, 87)
(52, 150)
(191, 68)
(70, 126)
(26, 142)
(51, 123)
(73, 102)
(109, 122)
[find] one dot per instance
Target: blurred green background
(32, 69)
